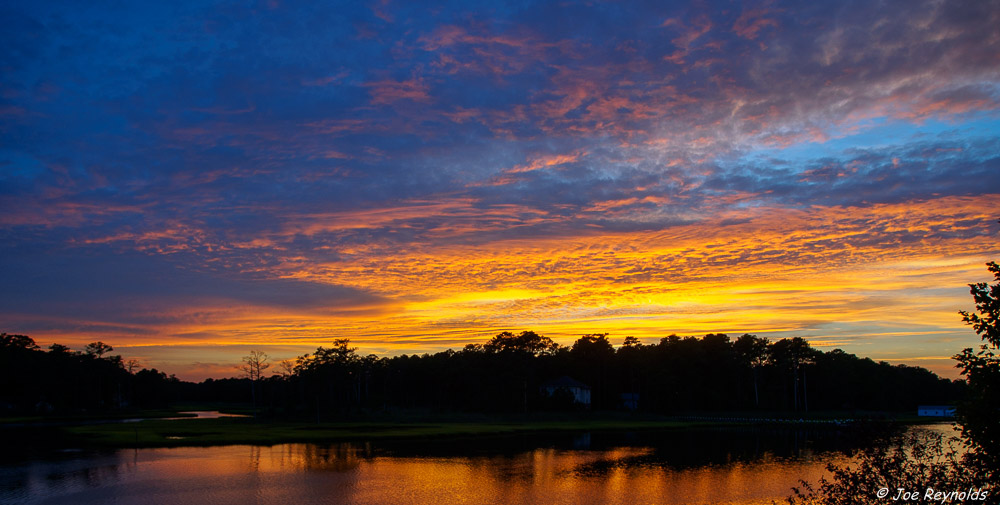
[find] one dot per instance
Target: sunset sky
(193, 180)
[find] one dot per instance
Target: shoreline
(155, 432)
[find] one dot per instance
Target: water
(200, 414)
(737, 466)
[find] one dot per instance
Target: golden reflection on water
(347, 473)
(302, 474)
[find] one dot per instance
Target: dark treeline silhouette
(61, 380)
(674, 376)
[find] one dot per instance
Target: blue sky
(188, 180)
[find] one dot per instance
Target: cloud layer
(412, 178)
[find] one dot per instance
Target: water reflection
(708, 466)
(190, 414)
(344, 457)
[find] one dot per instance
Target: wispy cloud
(413, 178)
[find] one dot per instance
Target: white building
(579, 390)
(936, 411)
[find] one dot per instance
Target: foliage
(753, 352)
(98, 349)
(594, 346)
(987, 298)
(923, 462)
(527, 342)
(15, 342)
(630, 342)
(911, 463)
(504, 374)
(979, 415)
(35, 381)
(340, 354)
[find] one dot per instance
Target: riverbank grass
(229, 431)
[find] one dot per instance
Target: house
(580, 392)
(936, 411)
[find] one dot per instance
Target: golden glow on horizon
(831, 274)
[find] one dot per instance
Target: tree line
(60, 380)
(504, 374)
(675, 375)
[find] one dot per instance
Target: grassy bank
(92, 417)
(226, 431)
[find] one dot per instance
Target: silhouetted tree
(131, 365)
(60, 349)
(678, 375)
(512, 357)
(595, 347)
(253, 368)
(17, 342)
(527, 342)
(154, 388)
(328, 375)
(631, 358)
(979, 416)
(631, 342)
(914, 462)
(792, 354)
(593, 355)
(98, 349)
(926, 461)
(752, 352)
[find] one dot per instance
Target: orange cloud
(546, 161)
(840, 276)
(389, 91)
(751, 22)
